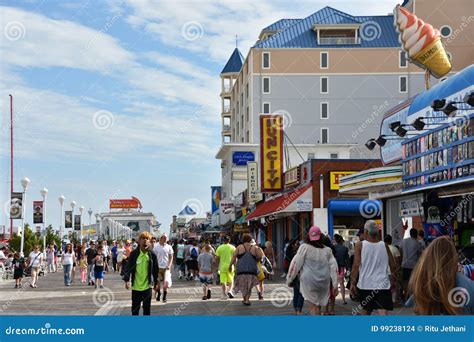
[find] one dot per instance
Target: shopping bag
(168, 282)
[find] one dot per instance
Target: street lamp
(44, 193)
(90, 223)
(81, 210)
(73, 205)
(98, 230)
(61, 203)
(24, 183)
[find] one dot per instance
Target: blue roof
(375, 31)
(234, 64)
(187, 211)
(454, 84)
(280, 24)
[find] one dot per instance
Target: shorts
(192, 265)
(35, 269)
(205, 279)
(179, 261)
(406, 273)
(226, 277)
(161, 274)
(18, 273)
(341, 272)
(376, 299)
(99, 274)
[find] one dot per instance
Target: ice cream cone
(434, 58)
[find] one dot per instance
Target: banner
(216, 193)
(68, 219)
(252, 183)
(16, 205)
(77, 222)
(133, 203)
(271, 153)
(38, 212)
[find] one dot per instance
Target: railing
(338, 40)
(226, 129)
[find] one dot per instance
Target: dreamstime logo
(103, 119)
(14, 30)
(370, 30)
(369, 209)
(192, 30)
(287, 119)
(195, 205)
(281, 297)
(458, 297)
(102, 297)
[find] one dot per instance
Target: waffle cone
(434, 58)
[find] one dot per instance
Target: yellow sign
(271, 153)
(335, 176)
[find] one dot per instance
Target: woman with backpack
(317, 269)
(193, 267)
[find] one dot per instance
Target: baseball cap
(314, 233)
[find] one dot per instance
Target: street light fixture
(73, 205)
(44, 194)
(90, 223)
(61, 200)
(81, 210)
(24, 183)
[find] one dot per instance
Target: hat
(252, 242)
(314, 234)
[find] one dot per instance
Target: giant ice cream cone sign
(421, 42)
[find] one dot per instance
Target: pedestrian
(411, 250)
(192, 262)
(91, 253)
(270, 254)
(298, 299)
(437, 286)
(83, 268)
(205, 264)
(113, 252)
(286, 262)
(395, 286)
(341, 253)
(370, 276)
(140, 274)
(50, 258)
(180, 259)
(77, 252)
(56, 252)
(421, 238)
(106, 253)
(68, 259)
(120, 256)
(164, 254)
(261, 274)
(224, 255)
(99, 267)
(245, 257)
(35, 259)
(18, 268)
(317, 269)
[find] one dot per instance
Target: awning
(297, 200)
(364, 207)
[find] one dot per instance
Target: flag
(68, 219)
(16, 205)
(77, 222)
(38, 211)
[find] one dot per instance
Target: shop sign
(304, 204)
(241, 158)
(335, 177)
(305, 173)
(133, 203)
(226, 205)
(271, 153)
(292, 176)
(410, 207)
(252, 182)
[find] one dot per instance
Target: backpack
(194, 253)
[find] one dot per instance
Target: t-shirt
(140, 280)
(411, 250)
(180, 251)
(91, 253)
(35, 259)
(162, 254)
(99, 263)
(67, 258)
(205, 262)
(114, 251)
(2, 256)
(18, 263)
(394, 250)
(225, 252)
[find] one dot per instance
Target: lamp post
(73, 205)
(61, 203)
(24, 183)
(97, 226)
(90, 224)
(44, 194)
(81, 210)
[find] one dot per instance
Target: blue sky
(121, 98)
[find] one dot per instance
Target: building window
(266, 85)
(248, 136)
(238, 128)
(266, 60)
(324, 85)
(242, 139)
(324, 135)
(324, 60)
(334, 155)
(445, 31)
(247, 114)
(403, 84)
(403, 59)
(247, 91)
(324, 110)
(266, 108)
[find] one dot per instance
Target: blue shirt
(114, 251)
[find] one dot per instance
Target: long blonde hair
(434, 277)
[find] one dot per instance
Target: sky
(114, 99)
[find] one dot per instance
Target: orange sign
(271, 153)
(334, 178)
(133, 203)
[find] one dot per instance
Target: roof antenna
(236, 41)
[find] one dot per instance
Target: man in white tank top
(371, 272)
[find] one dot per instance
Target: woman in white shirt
(68, 260)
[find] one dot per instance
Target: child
(99, 268)
(83, 268)
(18, 267)
(205, 261)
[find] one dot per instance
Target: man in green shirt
(223, 257)
(141, 273)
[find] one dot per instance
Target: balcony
(226, 91)
(339, 40)
(226, 111)
(226, 130)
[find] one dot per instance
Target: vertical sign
(16, 205)
(271, 153)
(77, 222)
(216, 193)
(37, 211)
(68, 219)
(252, 182)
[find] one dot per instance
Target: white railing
(338, 40)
